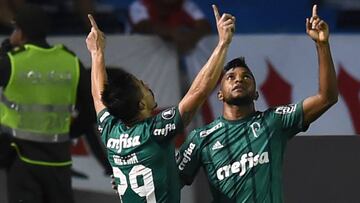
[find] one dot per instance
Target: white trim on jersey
(102, 118)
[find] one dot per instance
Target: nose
(238, 79)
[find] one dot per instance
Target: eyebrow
(233, 72)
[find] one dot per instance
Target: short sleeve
(105, 123)
(290, 118)
(166, 124)
(188, 159)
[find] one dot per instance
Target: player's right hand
(225, 26)
(95, 41)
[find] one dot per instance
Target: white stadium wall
(288, 62)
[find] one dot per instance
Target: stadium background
(322, 166)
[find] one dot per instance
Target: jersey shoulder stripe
(200, 135)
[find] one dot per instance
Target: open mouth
(238, 88)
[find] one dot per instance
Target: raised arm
(327, 95)
(95, 43)
(208, 76)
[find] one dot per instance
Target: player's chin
(239, 95)
(240, 98)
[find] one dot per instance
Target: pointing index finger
(92, 21)
(314, 10)
(216, 13)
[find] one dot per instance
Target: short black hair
(33, 21)
(121, 95)
(237, 62)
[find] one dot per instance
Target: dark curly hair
(237, 62)
(121, 95)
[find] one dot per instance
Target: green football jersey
(143, 156)
(243, 158)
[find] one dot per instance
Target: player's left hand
(317, 29)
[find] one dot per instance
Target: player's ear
(18, 38)
(141, 105)
(220, 96)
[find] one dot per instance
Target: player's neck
(235, 112)
(142, 116)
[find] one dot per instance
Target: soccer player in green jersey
(138, 144)
(242, 151)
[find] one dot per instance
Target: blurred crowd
(128, 16)
(181, 22)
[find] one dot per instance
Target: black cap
(33, 21)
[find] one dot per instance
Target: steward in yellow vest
(37, 103)
(41, 85)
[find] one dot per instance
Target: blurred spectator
(41, 85)
(343, 4)
(80, 8)
(348, 13)
(7, 8)
(68, 16)
(77, 10)
(178, 21)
